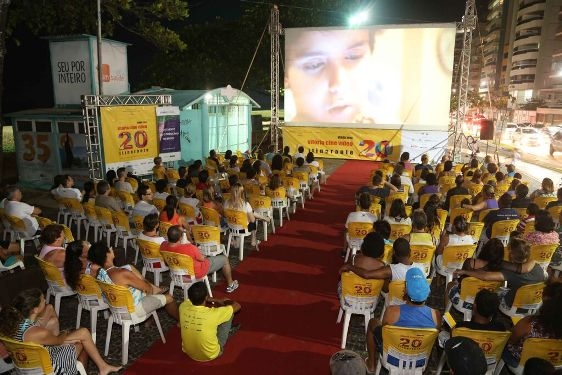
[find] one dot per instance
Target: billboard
(391, 77)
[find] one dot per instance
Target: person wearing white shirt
(150, 233)
(299, 154)
(143, 206)
(407, 181)
(363, 216)
(13, 206)
(121, 184)
(67, 189)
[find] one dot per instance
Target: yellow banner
(345, 143)
(129, 133)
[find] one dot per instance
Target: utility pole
(274, 30)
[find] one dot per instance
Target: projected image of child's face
(328, 73)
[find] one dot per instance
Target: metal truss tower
(91, 105)
(275, 31)
(467, 26)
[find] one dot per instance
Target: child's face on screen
(328, 74)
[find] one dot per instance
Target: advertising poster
(417, 143)
(336, 143)
(168, 119)
(72, 151)
(129, 135)
(36, 155)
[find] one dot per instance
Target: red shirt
(201, 264)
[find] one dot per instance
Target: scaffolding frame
(91, 105)
(275, 30)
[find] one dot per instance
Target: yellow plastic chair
(548, 349)
(77, 214)
(279, 202)
(182, 272)
(188, 212)
(529, 227)
(211, 217)
(482, 214)
(492, 344)
(180, 192)
(127, 200)
(90, 299)
(543, 201)
(464, 212)
(443, 189)
(208, 240)
(108, 228)
(6, 224)
(134, 183)
(356, 232)
(442, 215)
(528, 299)
(425, 197)
(475, 189)
(57, 285)
(262, 206)
(555, 213)
(152, 259)
(447, 180)
(399, 230)
(123, 312)
(63, 213)
(19, 229)
(396, 293)
(292, 185)
(388, 200)
(138, 221)
(501, 189)
(159, 203)
(411, 347)
(124, 232)
(43, 222)
(252, 189)
(470, 286)
(455, 201)
(32, 359)
(374, 209)
(522, 212)
(92, 220)
(475, 230)
(453, 258)
(542, 254)
(304, 184)
(423, 254)
(237, 227)
(387, 256)
(502, 230)
(164, 226)
(359, 296)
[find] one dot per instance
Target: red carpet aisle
(287, 293)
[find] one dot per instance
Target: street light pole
(99, 43)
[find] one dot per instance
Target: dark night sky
(27, 75)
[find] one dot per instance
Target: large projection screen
(382, 77)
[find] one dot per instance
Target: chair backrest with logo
(492, 343)
(407, 348)
(455, 255)
(210, 216)
(502, 229)
(29, 358)
(542, 254)
(159, 203)
(358, 230)
(356, 286)
(119, 299)
(422, 254)
(207, 238)
(464, 212)
(475, 229)
(399, 230)
(236, 219)
(482, 214)
(52, 274)
(542, 201)
(179, 264)
(187, 210)
(549, 349)
(456, 200)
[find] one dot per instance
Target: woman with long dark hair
(18, 321)
(75, 261)
(170, 215)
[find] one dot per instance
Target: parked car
(529, 137)
(556, 142)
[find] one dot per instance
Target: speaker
(486, 130)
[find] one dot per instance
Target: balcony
(528, 39)
(535, 23)
(532, 7)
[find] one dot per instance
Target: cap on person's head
(465, 356)
(416, 285)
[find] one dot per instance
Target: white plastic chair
(123, 312)
(11, 267)
(182, 272)
(359, 296)
(90, 298)
(152, 259)
(57, 286)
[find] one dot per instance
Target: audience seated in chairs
(161, 186)
(10, 253)
(401, 263)
(419, 234)
(66, 188)
(144, 206)
(526, 272)
(504, 212)
(459, 189)
(121, 184)
(545, 324)
(53, 250)
(89, 195)
(546, 189)
(146, 296)
(13, 206)
(20, 322)
(413, 314)
(76, 262)
(103, 199)
(171, 215)
(201, 264)
(150, 230)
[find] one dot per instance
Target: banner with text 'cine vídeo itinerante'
(345, 143)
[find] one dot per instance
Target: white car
(529, 137)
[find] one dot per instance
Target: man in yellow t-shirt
(204, 330)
